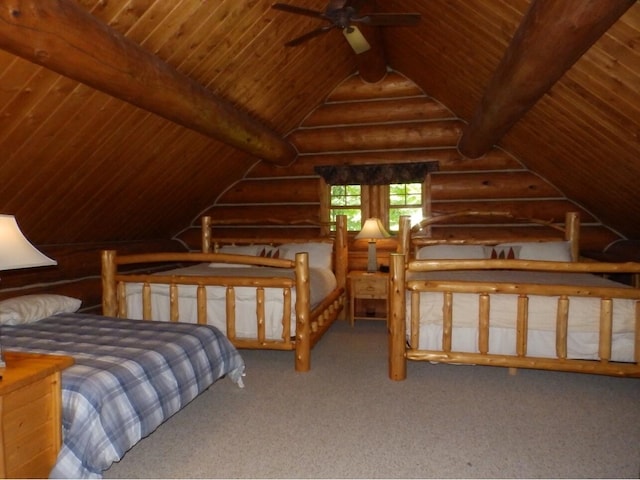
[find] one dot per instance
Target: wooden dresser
(30, 414)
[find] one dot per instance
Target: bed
(128, 376)
(516, 303)
(280, 294)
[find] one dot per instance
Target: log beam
(63, 37)
(553, 35)
(372, 64)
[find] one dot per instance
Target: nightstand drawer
(376, 287)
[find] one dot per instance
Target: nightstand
(30, 414)
(368, 296)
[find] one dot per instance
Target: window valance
(376, 174)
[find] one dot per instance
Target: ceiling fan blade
(308, 36)
(388, 19)
(298, 10)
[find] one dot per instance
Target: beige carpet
(346, 419)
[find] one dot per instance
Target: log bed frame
(311, 324)
(401, 344)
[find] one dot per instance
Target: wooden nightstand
(368, 296)
(30, 414)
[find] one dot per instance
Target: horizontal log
(255, 214)
(191, 237)
(276, 190)
(490, 185)
(375, 137)
(592, 238)
(393, 85)
(379, 111)
(543, 209)
(578, 366)
(76, 261)
(448, 158)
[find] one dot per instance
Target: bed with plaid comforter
(129, 376)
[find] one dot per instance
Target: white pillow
(544, 251)
(320, 254)
(31, 308)
(451, 252)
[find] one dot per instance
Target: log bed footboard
(404, 325)
(311, 324)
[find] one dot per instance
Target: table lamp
(372, 230)
(16, 252)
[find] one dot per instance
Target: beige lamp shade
(372, 230)
(356, 39)
(15, 250)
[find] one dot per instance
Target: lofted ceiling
(80, 165)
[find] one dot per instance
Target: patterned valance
(376, 174)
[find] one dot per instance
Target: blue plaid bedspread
(129, 376)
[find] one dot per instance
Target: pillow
(545, 251)
(451, 252)
(31, 308)
(320, 254)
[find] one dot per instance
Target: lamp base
(372, 265)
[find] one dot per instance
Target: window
(404, 199)
(346, 200)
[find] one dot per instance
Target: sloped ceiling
(78, 165)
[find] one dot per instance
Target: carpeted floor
(346, 419)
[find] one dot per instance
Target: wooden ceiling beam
(65, 38)
(553, 35)
(372, 64)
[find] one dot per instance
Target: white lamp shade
(373, 230)
(15, 250)
(356, 39)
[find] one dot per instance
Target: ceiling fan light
(356, 39)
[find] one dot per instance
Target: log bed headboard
(412, 237)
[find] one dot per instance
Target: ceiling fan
(343, 17)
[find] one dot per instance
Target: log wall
(392, 121)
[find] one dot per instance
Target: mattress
(322, 283)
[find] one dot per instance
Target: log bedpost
(404, 236)
(303, 313)
(109, 296)
(206, 234)
(340, 247)
(572, 234)
(397, 318)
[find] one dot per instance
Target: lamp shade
(356, 39)
(373, 230)
(15, 250)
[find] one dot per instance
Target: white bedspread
(583, 321)
(322, 282)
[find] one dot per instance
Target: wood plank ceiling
(81, 166)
